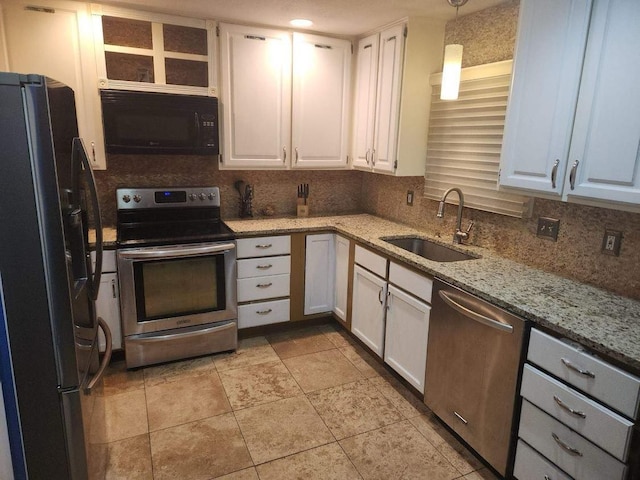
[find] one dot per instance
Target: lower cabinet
(319, 273)
(108, 301)
(341, 278)
(368, 314)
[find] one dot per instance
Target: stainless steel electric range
(176, 268)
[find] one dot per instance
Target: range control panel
(133, 198)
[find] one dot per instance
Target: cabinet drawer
(371, 261)
(607, 383)
(108, 260)
(553, 440)
(263, 246)
(530, 465)
(263, 313)
(412, 282)
(259, 267)
(590, 419)
(258, 288)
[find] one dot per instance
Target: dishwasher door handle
(448, 298)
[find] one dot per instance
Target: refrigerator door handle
(107, 354)
(85, 165)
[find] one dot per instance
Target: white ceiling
(338, 17)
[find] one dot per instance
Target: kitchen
(576, 255)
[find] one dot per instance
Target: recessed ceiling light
(301, 22)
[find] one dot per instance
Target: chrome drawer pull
(264, 245)
(460, 417)
(579, 370)
(264, 267)
(571, 450)
(577, 413)
(264, 312)
(264, 285)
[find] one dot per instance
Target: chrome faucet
(459, 236)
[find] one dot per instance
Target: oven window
(177, 287)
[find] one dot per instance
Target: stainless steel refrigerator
(48, 324)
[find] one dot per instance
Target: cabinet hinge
(220, 158)
(395, 164)
(347, 159)
(217, 30)
(499, 172)
(352, 49)
(406, 31)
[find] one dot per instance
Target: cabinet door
(256, 96)
(108, 307)
(367, 318)
(341, 277)
(59, 44)
(606, 135)
(546, 74)
(320, 103)
(388, 98)
(365, 101)
(319, 274)
(406, 336)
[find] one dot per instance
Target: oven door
(169, 287)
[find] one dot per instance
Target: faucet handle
(471, 223)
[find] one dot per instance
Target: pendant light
(452, 61)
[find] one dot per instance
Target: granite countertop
(604, 322)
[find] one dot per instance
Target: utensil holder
(302, 209)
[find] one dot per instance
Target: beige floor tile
(365, 363)
(397, 451)
(282, 428)
(117, 379)
(199, 450)
(454, 451)
(328, 462)
(354, 408)
(482, 474)
(185, 399)
(128, 459)
(251, 351)
(336, 335)
(258, 384)
(246, 474)
(117, 417)
(169, 371)
(299, 342)
(322, 370)
(405, 401)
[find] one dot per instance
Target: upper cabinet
(56, 41)
(572, 129)
(154, 52)
(285, 102)
(391, 108)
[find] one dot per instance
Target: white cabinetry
(256, 96)
(264, 268)
(319, 273)
(572, 128)
(342, 247)
(56, 41)
(393, 97)
(367, 320)
(283, 106)
(108, 301)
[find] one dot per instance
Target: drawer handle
(579, 370)
(264, 267)
(264, 245)
(460, 417)
(264, 312)
(577, 413)
(571, 450)
(264, 285)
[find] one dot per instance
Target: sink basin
(429, 250)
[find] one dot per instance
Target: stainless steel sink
(429, 250)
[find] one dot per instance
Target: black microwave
(159, 123)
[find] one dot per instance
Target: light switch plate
(548, 228)
(611, 242)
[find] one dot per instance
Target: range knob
(192, 196)
(212, 196)
(137, 198)
(126, 198)
(203, 196)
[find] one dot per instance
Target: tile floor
(306, 404)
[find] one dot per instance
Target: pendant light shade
(451, 72)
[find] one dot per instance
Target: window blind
(465, 138)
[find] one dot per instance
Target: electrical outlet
(548, 228)
(410, 198)
(611, 242)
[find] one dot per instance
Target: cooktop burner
(166, 216)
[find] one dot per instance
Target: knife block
(302, 209)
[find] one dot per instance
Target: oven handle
(175, 252)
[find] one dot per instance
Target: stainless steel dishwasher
(473, 361)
